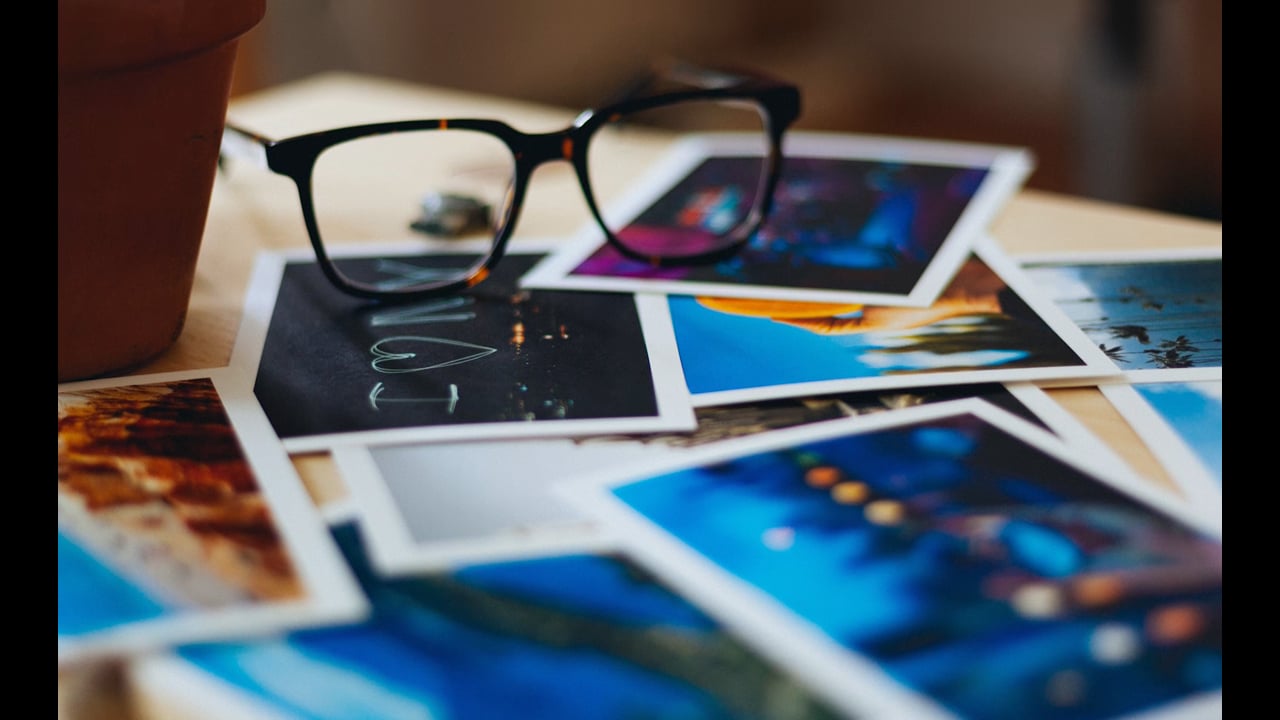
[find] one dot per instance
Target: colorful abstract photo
(943, 553)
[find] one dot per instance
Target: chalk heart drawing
(409, 353)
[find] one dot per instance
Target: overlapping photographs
(180, 519)
(921, 563)
(989, 325)
(432, 506)
(581, 635)
(1181, 424)
(1156, 314)
(494, 361)
(865, 219)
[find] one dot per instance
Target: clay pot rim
(98, 36)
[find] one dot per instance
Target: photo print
(1181, 424)
(987, 326)
(1156, 314)
(181, 519)
(511, 639)
(920, 563)
(494, 361)
(867, 219)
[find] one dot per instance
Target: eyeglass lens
(404, 177)
(694, 218)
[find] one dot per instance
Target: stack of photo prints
(820, 479)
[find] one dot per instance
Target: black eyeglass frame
(295, 157)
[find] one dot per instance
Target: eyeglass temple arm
(681, 72)
(702, 76)
(243, 145)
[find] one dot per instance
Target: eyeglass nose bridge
(532, 150)
(535, 149)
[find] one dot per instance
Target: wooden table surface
(252, 210)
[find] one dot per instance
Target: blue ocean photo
(577, 636)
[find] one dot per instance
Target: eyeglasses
(469, 177)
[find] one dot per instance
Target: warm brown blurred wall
(1120, 100)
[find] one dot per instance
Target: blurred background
(1120, 100)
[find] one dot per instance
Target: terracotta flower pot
(143, 87)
